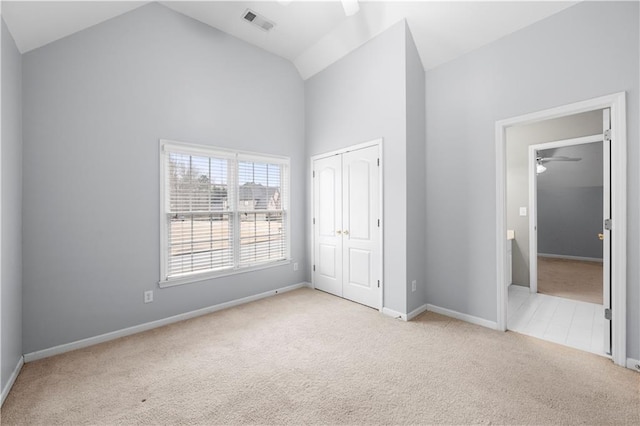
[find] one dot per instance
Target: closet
(347, 233)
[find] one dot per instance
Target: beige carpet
(571, 279)
(306, 357)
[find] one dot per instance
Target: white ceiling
(311, 34)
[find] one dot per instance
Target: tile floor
(565, 321)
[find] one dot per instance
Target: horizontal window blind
(262, 216)
(223, 211)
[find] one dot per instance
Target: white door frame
(377, 143)
(617, 104)
(533, 199)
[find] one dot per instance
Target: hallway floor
(570, 279)
(569, 322)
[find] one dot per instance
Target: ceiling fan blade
(559, 158)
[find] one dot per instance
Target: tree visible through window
(224, 211)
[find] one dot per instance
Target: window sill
(205, 276)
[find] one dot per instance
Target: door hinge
(607, 224)
(314, 268)
(378, 283)
(607, 314)
(378, 161)
(314, 173)
(378, 223)
(314, 220)
(607, 135)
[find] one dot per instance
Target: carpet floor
(306, 357)
(571, 279)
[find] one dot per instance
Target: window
(222, 212)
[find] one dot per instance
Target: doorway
(569, 267)
(347, 228)
(616, 313)
(569, 195)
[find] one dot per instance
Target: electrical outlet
(413, 285)
(148, 296)
(295, 266)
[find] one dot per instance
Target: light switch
(523, 211)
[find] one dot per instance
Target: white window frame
(236, 156)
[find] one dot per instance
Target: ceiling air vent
(258, 21)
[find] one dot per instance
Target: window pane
(197, 184)
(262, 237)
(199, 242)
(259, 186)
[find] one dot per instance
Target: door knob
(338, 232)
(345, 232)
(601, 236)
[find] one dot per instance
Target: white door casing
(617, 104)
(347, 233)
(606, 215)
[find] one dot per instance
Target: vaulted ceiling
(311, 34)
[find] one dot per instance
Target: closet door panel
(327, 229)
(361, 236)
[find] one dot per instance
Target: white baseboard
(463, 317)
(90, 341)
(404, 317)
(394, 314)
(12, 380)
(411, 315)
(562, 256)
(633, 364)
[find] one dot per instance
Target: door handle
(601, 236)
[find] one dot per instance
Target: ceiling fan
(541, 160)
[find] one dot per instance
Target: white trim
(616, 102)
(374, 142)
(12, 380)
(204, 276)
(564, 256)
(533, 198)
(90, 341)
(206, 150)
(633, 364)
(532, 177)
(462, 317)
(3, 395)
(394, 314)
(350, 148)
(411, 315)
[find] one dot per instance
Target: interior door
(327, 205)
(360, 219)
(606, 214)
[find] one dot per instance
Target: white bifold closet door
(347, 243)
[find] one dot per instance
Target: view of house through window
(224, 210)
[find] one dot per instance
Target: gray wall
(569, 220)
(359, 98)
(95, 105)
(11, 207)
(570, 202)
(416, 196)
(565, 58)
(517, 170)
